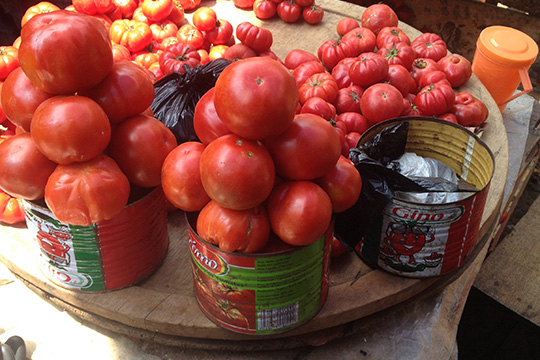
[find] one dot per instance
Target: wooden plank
(510, 274)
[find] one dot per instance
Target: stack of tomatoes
(289, 11)
(260, 169)
(85, 134)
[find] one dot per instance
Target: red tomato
(308, 149)
(181, 177)
(206, 122)
(429, 45)
(139, 145)
(398, 53)
(237, 173)
(157, 10)
(409, 109)
(39, 8)
(331, 52)
(348, 99)
(457, 68)
(340, 72)
(93, 7)
(87, 192)
(352, 139)
(70, 129)
(8, 60)
(255, 37)
(362, 40)
(435, 99)
(422, 66)
(177, 15)
(220, 33)
(381, 102)
(125, 92)
(338, 248)
(320, 107)
(321, 85)
(378, 16)
(244, 4)
(313, 14)
(300, 212)
(297, 57)
(20, 98)
(120, 52)
(144, 58)
(400, 77)
(189, 4)
(345, 25)
(239, 51)
(178, 55)
(264, 9)
(448, 117)
(11, 209)
(469, 110)
(342, 184)
(245, 231)
(433, 77)
(204, 18)
(24, 170)
(134, 35)
(190, 35)
(55, 51)
(126, 7)
(368, 69)
(256, 97)
(354, 122)
(305, 70)
(163, 29)
(392, 35)
(289, 11)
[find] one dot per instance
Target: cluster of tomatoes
(85, 137)
(289, 11)
(260, 169)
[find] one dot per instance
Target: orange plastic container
(501, 62)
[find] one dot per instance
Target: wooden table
(163, 308)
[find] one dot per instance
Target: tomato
(55, 55)
(163, 29)
(457, 68)
(338, 248)
(206, 122)
(139, 145)
(433, 77)
(422, 66)
(429, 45)
(264, 9)
(289, 11)
(239, 51)
(120, 52)
(171, 40)
(378, 16)
(448, 117)
(204, 18)
(93, 7)
(305, 3)
(20, 98)
(399, 77)
(409, 109)
(189, 4)
(205, 57)
(176, 56)
(297, 57)
(244, 4)
(181, 177)
(321, 85)
(257, 38)
(237, 173)
(398, 53)
(392, 35)
(87, 192)
(177, 15)
(217, 52)
(155, 71)
(308, 149)
(313, 14)
(11, 209)
(139, 16)
(126, 7)
(70, 128)
(381, 102)
(362, 39)
(144, 58)
(368, 69)
(24, 170)
(342, 184)
(300, 212)
(331, 52)
(245, 231)
(354, 122)
(340, 72)
(352, 139)
(256, 97)
(40, 8)
(435, 99)
(220, 33)
(469, 110)
(190, 35)
(345, 25)
(157, 10)
(348, 99)
(134, 35)
(305, 70)
(318, 106)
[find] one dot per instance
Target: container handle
(525, 81)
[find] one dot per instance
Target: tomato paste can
(419, 240)
(104, 256)
(263, 293)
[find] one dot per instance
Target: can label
(68, 255)
(260, 294)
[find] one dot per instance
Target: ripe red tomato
(238, 51)
(55, 51)
(237, 173)
(378, 16)
(244, 4)
(368, 69)
(189, 4)
(264, 9)
(177, 14)
(93, 7)
(134, 35)
(87, 192)
(257, 38)
(354, 122)
(448, 117)
(204, 18)
(70, 128)
(125, 92)
(181, 177)
(305, 70)
(120, 52)
(308, 149)
(11, 209)
(343, 185)
(331, 52)
(429, 45)
(321, 85)
(126, 7)
(422, 66)
(245, 231)
(398, 53)
(24, 170)
(469, 110)
(157, 10)
(435, 99)
(206, 122)
(340, 72)
(392, 35)
(176, 56)
(338, 248)
(345, 25)
(8, 61)
(313, 14)
(433, 77)
(39, 8)
(300, 212)
(296, 57)
(289, 11)
(20, 98)
(221, 33)
(348, 99)
(318, 106)
(139, 145)
(163, 29)
(363, 40)
(400, 77)
(457, 68)
(256, 97)
(381, 102)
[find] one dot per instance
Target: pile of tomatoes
(289, 11)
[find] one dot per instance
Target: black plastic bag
(176, 95)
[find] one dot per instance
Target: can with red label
(415, 239)
(107, 255)
(265, 293)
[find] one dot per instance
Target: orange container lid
(507, 46)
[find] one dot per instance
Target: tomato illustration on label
(54, 242)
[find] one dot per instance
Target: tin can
(107, 255)
(414, 239)
(264, 293)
